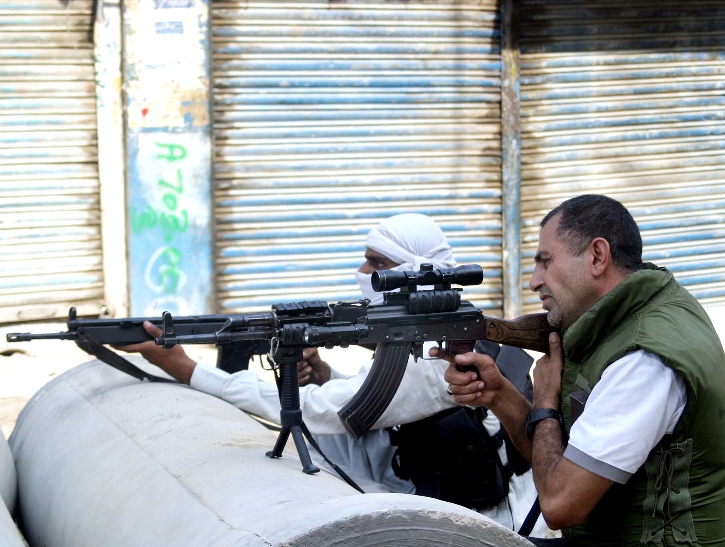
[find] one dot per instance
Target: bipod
(286, 358)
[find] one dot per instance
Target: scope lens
(388, 280)
(469, 274)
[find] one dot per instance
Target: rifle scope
(388, 280)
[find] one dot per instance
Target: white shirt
(636, 402)
(422, 393)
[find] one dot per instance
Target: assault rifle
(399, 327)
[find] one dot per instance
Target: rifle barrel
(28, 336)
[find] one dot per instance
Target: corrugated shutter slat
(626, 99)
(49, 205)
(331, 117)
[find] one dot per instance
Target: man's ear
(601, 256)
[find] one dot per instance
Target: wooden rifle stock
(527, 332)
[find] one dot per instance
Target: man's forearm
(547, 453)
(567, 492)
(511, 408)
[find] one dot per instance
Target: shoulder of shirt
(649, 364)
(638, 358)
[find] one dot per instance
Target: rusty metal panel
(49, 209)
(627, 100)
(330, 117)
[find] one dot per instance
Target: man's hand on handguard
(173, 361)
(312, 369)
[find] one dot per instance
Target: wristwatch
(535, 416)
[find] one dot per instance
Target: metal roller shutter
(626, 99)
(49, 205)
(331, 116)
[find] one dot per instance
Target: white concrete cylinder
(9, 534)
(8, 477)
(103, 459)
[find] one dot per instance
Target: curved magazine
(378, 390)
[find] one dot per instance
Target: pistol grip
(456, 347)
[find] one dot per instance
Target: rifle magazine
(378, 390)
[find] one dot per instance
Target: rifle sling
(92, 347)
(337, 468)
(531, 518)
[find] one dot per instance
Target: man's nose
(366, 268)
(537, 280)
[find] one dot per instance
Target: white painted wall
(111, 156)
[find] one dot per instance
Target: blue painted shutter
(330, 117)
(627, 100)
(49, 200)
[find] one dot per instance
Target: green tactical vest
(678, 496)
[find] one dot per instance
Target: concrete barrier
(9, 534)
(8, 476)
(103, 459)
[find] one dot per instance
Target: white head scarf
(410, 239)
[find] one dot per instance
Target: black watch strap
(535, 416)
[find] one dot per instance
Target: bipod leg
(291, 414)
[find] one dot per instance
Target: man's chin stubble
(554, 319)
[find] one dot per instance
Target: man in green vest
(626, 435)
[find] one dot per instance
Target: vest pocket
(667, 504)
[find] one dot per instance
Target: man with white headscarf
(406, 241)
(403, 243)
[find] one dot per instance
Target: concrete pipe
(8, 477)
(103, 459)
(9, 534)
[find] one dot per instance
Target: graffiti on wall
(169, 219)
(163, 272)
(169, 156)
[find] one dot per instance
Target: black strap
(337, 468)
(530, 519)
(92, 347)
